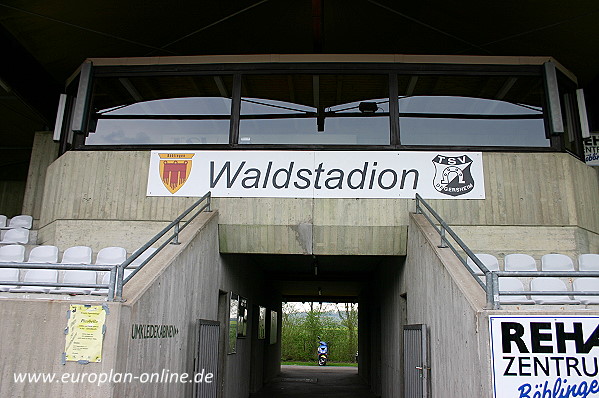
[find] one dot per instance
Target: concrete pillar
(11, 197)
(43, 153)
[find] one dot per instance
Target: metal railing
(177, 225)
(444, 229)
(491, 284)
(495, 275)
(62, 267)
(117, 280)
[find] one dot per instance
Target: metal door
(206, 358)
(416, 368)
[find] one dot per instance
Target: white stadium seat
(546, 284)
(38, 275)
(111, 256)
(2, 221)
(512, 285)
(520, 262)
(77, 276)
(22, 221)
(10, 254)
(43, 254)
(106, 280)
(488, 261)
(587, 285)
(556, 262)
(8, 275)
(77, 255)
(588, 262)
(16, 235)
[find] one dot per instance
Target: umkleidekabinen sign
(317, 174)
(545, 356)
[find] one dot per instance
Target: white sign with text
(317, 174)
(545, 356)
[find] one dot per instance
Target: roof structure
(44, 42)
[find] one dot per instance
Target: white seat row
(22, 221)
(547, 284)
(73, 255)
(51, 276)
(524, 262)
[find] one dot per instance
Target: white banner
(317, 174)
(591, 150)
(545, 356)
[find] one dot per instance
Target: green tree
(348, 313)
(303, 325)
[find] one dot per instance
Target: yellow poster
(85, 333)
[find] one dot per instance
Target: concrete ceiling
(43, 42)
(320, 278)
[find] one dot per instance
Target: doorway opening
(319, 334)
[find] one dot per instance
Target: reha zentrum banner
(545, 356)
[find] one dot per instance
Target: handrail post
(209, 202)
(492, 290)
(176, 238)
(119, 282)
(489, 290)
(418, 209)
(495, 278)
(443, 244)
(112, 284)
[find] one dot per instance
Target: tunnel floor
(320, 381)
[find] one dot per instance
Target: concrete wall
(43, 153)
(533, 240)
(379, 342)
(442, 294)
(33, 340)
(392, 319)
(522, 189)
(11, 197)
(99, 234)
(176, 289)
(244, 278)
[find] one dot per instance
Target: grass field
(314, 363)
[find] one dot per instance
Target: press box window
(472, 111)
(314, 109)
(161, 110)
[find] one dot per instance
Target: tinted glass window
(161, 110)
(471, 111)
(315, 109)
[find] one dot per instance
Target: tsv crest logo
(452, 175)
(175, 169)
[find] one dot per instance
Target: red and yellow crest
(175, 169)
